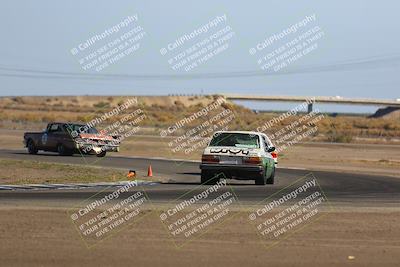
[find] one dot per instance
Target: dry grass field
(32, 113)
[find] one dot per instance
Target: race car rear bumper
(246, 172)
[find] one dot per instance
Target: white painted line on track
(72, 186)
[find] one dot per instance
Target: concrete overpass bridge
(319, 99)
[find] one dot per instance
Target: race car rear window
(236, 140)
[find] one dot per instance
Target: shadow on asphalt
(189, 173)
(235, 183)
(55, 154)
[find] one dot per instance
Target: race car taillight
(252, 160)
(209, 159)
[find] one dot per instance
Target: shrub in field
(335, 136)
(389, 126)
(85, 118)
(178, 103)
(47, 118)
(18, 100)
(101, 104)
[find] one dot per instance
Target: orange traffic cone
(131, 174)
(149, 172)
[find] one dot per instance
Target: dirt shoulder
(17, 172)
(46, 237)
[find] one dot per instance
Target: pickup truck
(69, 138)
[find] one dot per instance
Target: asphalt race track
(340, 188)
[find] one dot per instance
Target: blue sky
(358, 56)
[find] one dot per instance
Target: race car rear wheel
(271, 179)
(208, 177)
(32, 148)
(261, 179)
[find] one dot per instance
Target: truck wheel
(209, 178)
(271, 179)
(32, 148)
(261, 179)
(101, 154)
(62, 151)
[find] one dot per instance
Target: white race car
(241, 155)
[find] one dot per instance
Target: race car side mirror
(271, 149)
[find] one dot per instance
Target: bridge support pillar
(310, 107)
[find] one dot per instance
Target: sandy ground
(30, 172)
(44, 236)
(17, 172)
(369, 159)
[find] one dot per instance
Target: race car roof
(241, 132)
